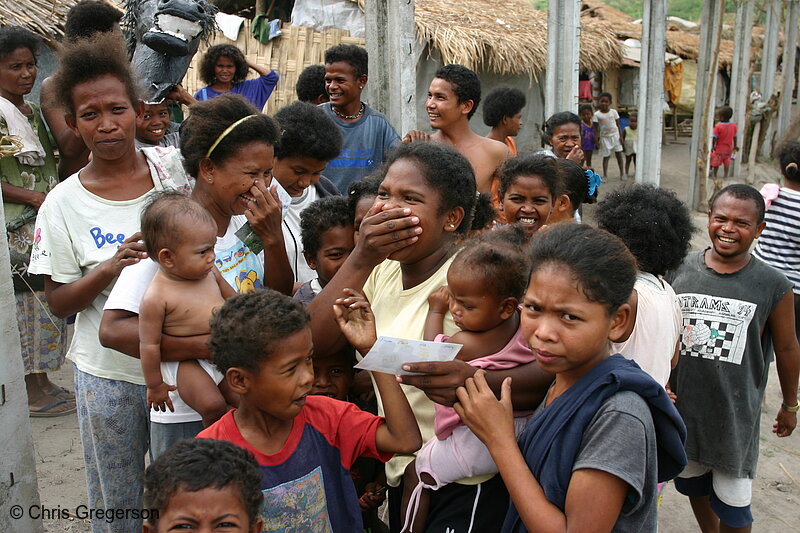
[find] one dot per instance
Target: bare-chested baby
(179, 235)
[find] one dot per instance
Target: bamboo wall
(297, 48)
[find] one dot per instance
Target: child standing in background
(502, 111)
(153, 127)
(723, 142)
(607, 120)
(588, 133)
(630, 135)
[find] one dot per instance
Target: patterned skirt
(43, 336)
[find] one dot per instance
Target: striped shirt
(779, 243)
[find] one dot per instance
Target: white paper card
(389, 354)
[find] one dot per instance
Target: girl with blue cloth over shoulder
(594, 451)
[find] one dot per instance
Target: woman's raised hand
(480, 410)
(264, 215)
(128, 253)
(383, 232)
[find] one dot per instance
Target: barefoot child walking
(179, 235)
(630, 136)
(609, 142)
(594, 451)
(589, 132)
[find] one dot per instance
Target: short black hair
(322, 215)
(556, 121)
(574, 183)
(465, 84)
(446, 171)
(502, 102)
(741, 191)
(209, 61)
(209, 119)
(509, 234)
(598, 261)
(484, 213)
(353, 55)
(585, 107)
(366, 187)
(788, 153)
(164, 215)
(13, 37)
(311, 84)
(606, 95)
(652, 222)
(541, 165)
(307, 131)
(248, 328)
(502, 267)
(86, 60)
(88, 17)
(195, 464)
(725, 113)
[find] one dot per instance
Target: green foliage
(686, 9)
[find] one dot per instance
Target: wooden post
(651, 92)
(769, 66)
(393, 52)
(563, 46)
(707, 65)
(740, 78)
(789, 55)
(18, 488)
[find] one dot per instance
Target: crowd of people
(227, 272)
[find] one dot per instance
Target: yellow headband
(226, 132)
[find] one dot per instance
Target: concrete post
(18, 488)
(393, 52)
(563, 47)
(769, 66)
(702, 121)
(789, 74)
(740, 70)
(651, 92)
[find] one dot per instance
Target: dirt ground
(776, 493)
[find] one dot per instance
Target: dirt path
(776, 493)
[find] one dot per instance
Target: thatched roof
(594, 9)
(43, 17)
(505, 36)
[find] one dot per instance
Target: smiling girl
(606, 434)
(529, 188)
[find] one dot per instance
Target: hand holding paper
(389, 354)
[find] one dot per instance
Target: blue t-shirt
(257, 90)
(307, 484)
(366, 143)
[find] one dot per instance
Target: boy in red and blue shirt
(723, 142)
(305, 445)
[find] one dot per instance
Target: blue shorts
(697, 481)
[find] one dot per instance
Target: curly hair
(88, 17)
(446, 171)
(209, 119)
(502, 102)
(366, 187)
(249, 327)
(465, 84)
(741, 191)
(788, 153)
(598, 261)
(322, 215)
(543, 166)
(211, 57)
(353, 55)
(13, 37)
(725, 113)
(192, 465)
(585, 107)
(509, 234)
(556, 121)
(652, 222)
(574, 183)
(311, 84)
(307, 131)
(85, 60)
(166, 218)
(484, 213)
(502, 267)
